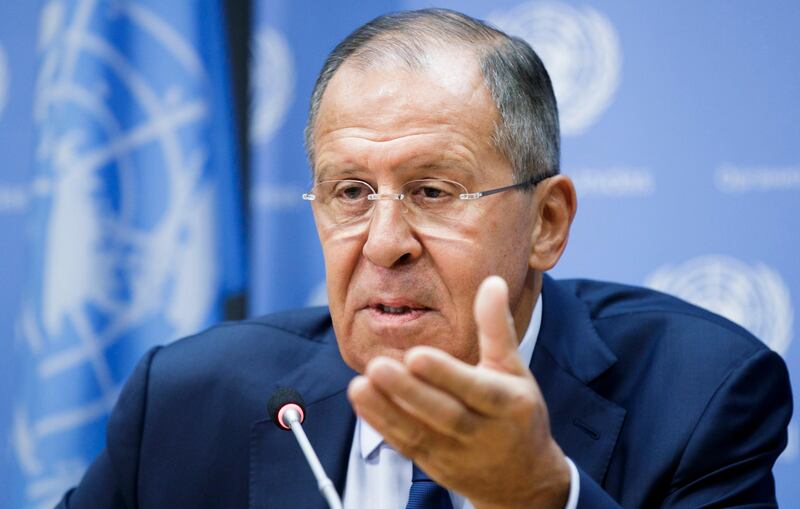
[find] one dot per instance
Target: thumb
(496, 335)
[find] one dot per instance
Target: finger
(487, 392)
(496, 335)
(403, 432)
(437, 409)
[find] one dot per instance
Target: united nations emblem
(754, 297)
(580, 49)
(124, 211)
(271, 84)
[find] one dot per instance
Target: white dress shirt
(380, 477)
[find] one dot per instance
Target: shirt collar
(370, 440)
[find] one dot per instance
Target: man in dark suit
(434, 145)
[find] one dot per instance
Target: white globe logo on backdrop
(271, 84)
(579, 48)
(4, 79)
(119, 255)
(754, 296)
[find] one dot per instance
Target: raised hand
(481, 430)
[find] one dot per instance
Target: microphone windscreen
(281, 397)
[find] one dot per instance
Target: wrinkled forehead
(386, 97)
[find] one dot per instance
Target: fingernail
(495, 280)
(417, 358)
(383, 368)
(357, 384)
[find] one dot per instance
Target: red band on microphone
(283, 410)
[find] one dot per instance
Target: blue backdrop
(677, 129)
(123, 161)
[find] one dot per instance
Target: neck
(525, 302)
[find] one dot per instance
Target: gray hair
(527, 134)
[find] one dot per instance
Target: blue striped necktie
(426, 494)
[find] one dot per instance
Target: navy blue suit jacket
(659, 403)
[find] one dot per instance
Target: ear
(555, 206)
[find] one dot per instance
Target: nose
(390, 239)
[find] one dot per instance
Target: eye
(350, 191)
(432, 192)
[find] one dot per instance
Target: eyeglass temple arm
(531, 182)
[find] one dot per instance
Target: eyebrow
(323, 173)
(355, 172)
(450, 167)
(444, 165)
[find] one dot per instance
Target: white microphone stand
(326, 487)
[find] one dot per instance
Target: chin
(358, 360)
(358, 354)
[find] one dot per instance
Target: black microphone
(283, 399)
(287, 410)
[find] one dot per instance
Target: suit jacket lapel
(279, 474)
(568, 356)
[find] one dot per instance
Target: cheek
(512, 255)
(500, 247)
(461, 266)
(341, 255)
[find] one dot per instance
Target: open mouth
(396, 312)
